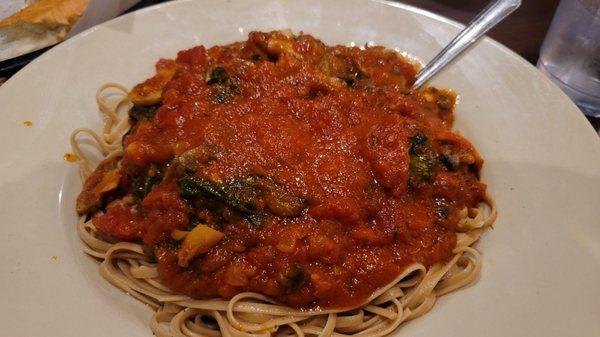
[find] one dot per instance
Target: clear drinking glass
(570, 55)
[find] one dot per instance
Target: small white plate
(541, 274)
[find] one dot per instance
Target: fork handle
(491, 15)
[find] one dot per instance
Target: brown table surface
(522, 32)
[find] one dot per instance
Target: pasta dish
(280, 186)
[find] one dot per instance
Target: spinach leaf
(422, 160)
(143, 185)
(450, 161)
(225, 85)
(252, 196)
(139, 112)
(191, 186)
(217, 75)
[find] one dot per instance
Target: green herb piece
(416, 142)
(172, 245)
(194, 221)
(252, 196)
(191, 186)
(149, 182)
(221, 97)
(217, 75)
(450, 161)
(257, 219)
(442, 208)
(422, 160)
(348, 80)
(294, 278)
(283, 203)
(143, 185)
(139, 112)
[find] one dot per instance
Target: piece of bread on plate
(41, 24)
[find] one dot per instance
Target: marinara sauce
(325, 173)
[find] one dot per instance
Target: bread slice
(38, 25)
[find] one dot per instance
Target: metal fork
(491, 15)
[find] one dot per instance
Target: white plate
(541, 273)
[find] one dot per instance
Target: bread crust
(49, 13)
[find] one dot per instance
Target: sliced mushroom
(199, 241)
(150, 91)
(192, 160)
(104, 179)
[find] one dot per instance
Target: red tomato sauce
(373, 173)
